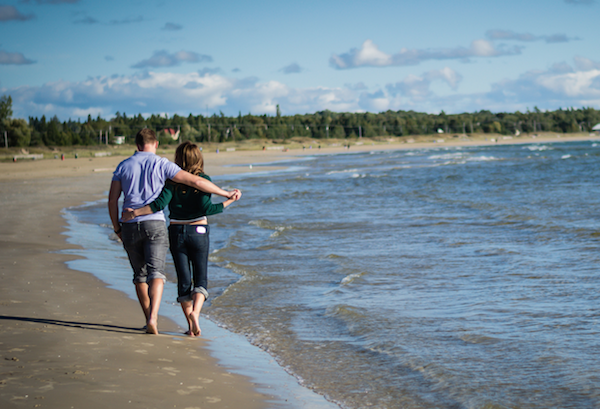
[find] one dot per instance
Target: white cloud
(163, 59)
(172, 27)
(560, 85)
(154, 92)
(127, 20)
(8, 13)
(561, 67)
(574, 84)
(585, 64)
(293, 68)
(417, 88)
(7, 58)
(369, 55)
(93, 111)
(447, 74)
(376, 101)
(91, 20)
(86, 20)
(359, 86)
(527, 37)
(207, 70)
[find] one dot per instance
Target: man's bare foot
(151, 328)
(195, 325)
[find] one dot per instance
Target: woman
(188, 232)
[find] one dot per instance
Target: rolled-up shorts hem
(189, 297)
(146, 279)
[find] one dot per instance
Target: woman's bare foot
(195, 325)
(189, 333)
(151, 327)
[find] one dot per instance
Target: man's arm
(200, 183)
(113, 205)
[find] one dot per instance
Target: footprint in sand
(213, 399)
(142, 351)
(206, 380)
(171, 371)
(191, 389)
(46, 388)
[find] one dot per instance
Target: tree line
(320, 125)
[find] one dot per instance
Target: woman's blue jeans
(189, 248)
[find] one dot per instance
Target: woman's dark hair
(189, 158)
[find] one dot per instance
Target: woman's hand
(234, 194)
(238, 195)
(234, 197)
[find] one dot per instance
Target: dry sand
(68, 341)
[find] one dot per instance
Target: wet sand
(66, 340)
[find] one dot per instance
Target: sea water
(426, 278)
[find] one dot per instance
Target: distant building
(119, 140)
(596, 128)
(172, 133)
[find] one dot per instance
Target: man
(141, 178)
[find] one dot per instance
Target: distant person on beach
(188, 232)
(141, 178)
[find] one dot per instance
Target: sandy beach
(68, 341)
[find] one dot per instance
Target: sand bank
(66, 340)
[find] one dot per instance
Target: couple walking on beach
(150, 183)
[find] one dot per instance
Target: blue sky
(72, 58)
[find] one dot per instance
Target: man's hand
(234, 194)
(127, 215)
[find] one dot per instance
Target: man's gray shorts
(146, 244)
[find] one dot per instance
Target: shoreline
(232, 162)
(66, 339)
